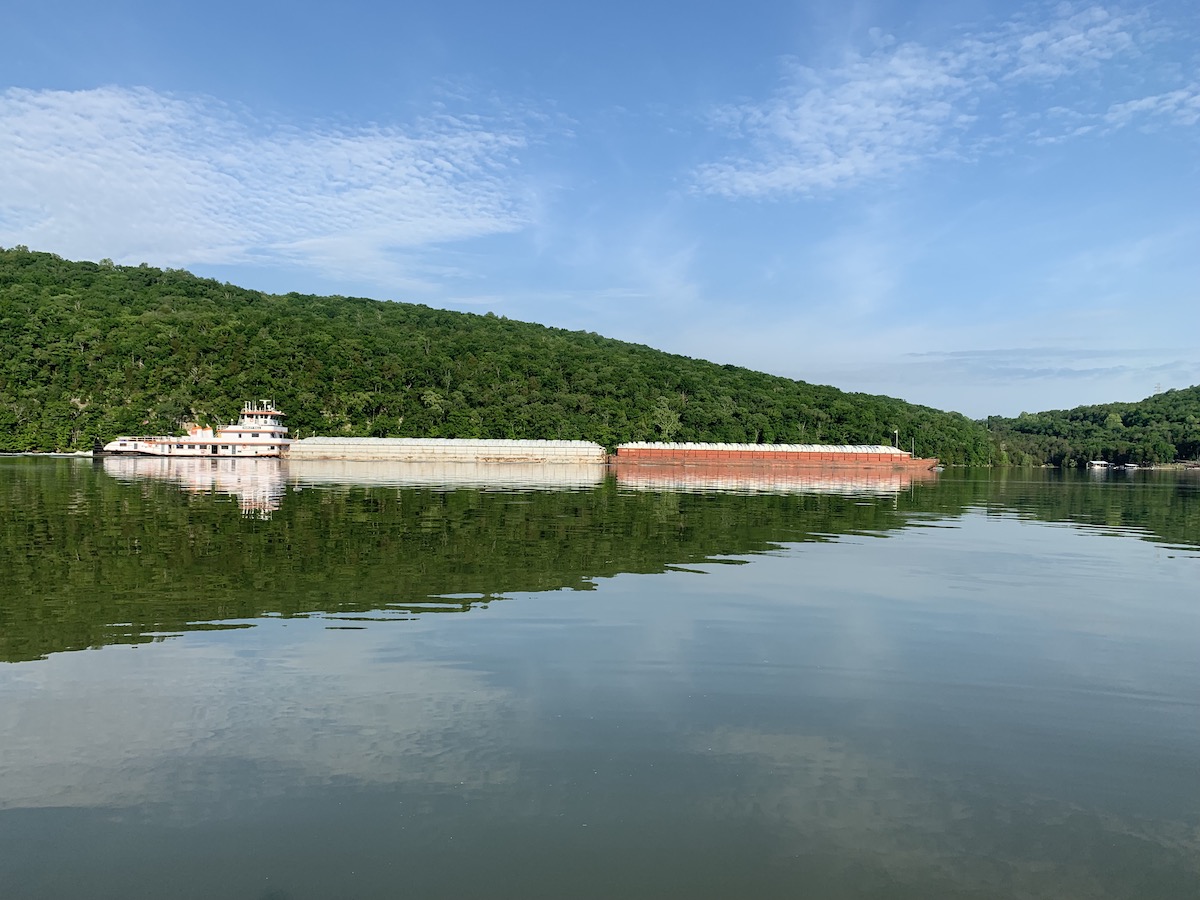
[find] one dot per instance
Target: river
(274, 684)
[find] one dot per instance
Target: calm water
(355, 683)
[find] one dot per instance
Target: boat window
(179, 446)
(224, 446)
(254, 434)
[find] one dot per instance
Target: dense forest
(1160, 429)
(93, 350)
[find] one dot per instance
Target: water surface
(269, 683)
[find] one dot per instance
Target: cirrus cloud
(885, 110)
(131, 173)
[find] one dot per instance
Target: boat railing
(260, 406)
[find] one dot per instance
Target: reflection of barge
(259, 431)
(504, 476)
(791, 456)
(771, 468)
(766, 479)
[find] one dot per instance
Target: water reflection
(829, 719)
(257, 484)
(703, 478)
(309, 706)
(506, 476)
(88, 559)
(984, 687)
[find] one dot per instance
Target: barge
(801, 456)
(447, 450)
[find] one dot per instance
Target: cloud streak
(885, 110)
(1074, 40)
(1180, 107)
(133, 174)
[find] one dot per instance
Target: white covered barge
(446, 450)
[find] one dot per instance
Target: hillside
(1161, 428)
(93, 350)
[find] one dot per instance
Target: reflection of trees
(81, 553)
(1162, 506)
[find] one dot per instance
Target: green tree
(665, 419)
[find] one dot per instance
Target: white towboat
(259, 431)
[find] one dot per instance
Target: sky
(980, 206)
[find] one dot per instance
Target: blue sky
(987, 207)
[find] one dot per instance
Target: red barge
(822, 456)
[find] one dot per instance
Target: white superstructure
(259, 431)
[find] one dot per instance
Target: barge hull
(799, 456)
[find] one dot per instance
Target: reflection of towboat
(259, 431)
(258, 485)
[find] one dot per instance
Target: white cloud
(1181, 107)
(133, 174)
(358, 713)
(884, 111)
(873, 116)
(1073, 41)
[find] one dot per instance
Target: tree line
(93, 350)
(1160, 429)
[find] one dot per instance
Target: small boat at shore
(258, 432)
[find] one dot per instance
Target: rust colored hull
(686, 456)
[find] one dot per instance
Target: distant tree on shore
(1160, 429)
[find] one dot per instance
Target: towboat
(259, 431)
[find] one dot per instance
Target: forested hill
(93, 350)
(1161, 428)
